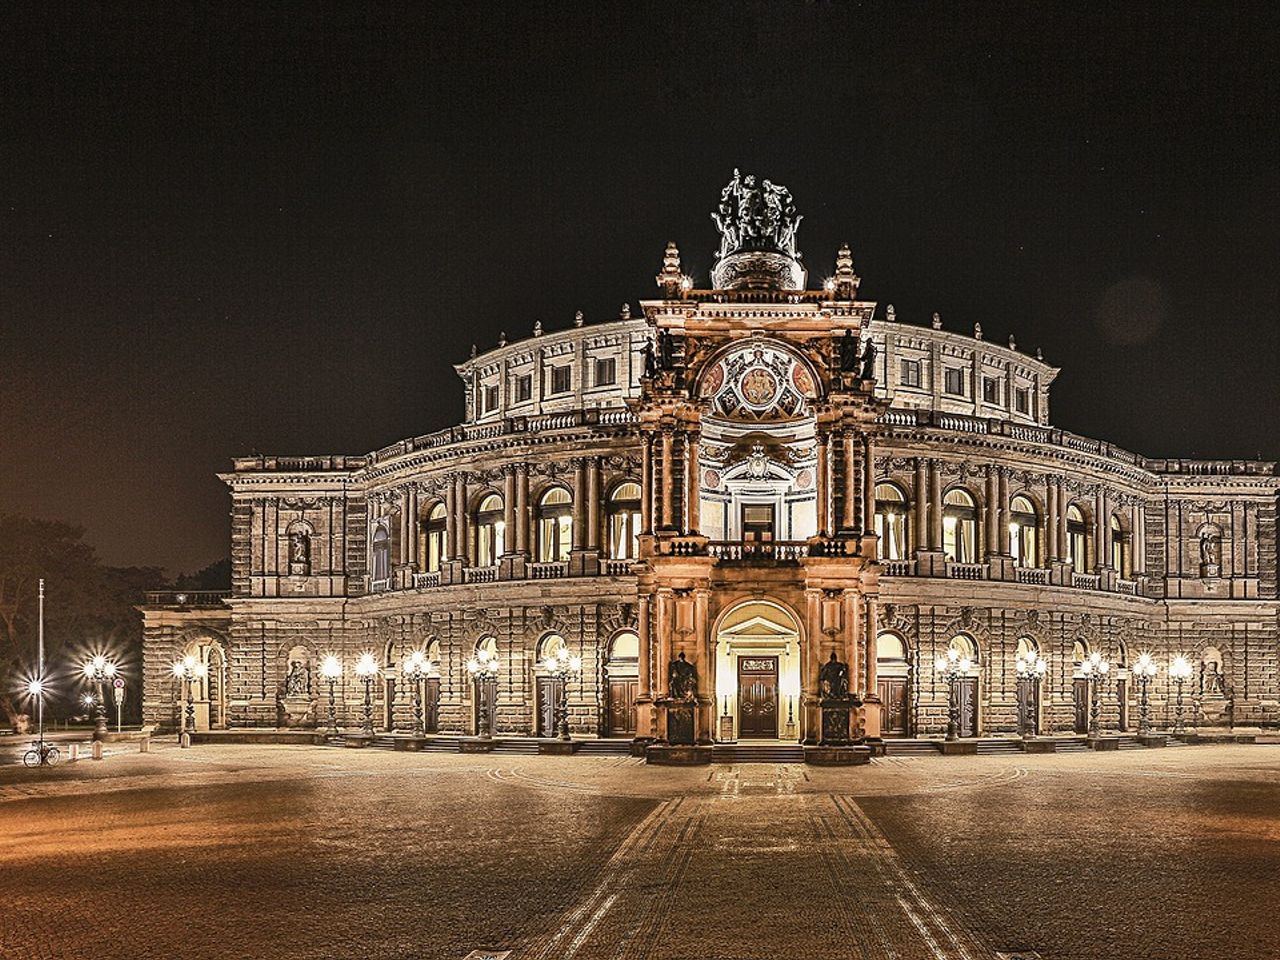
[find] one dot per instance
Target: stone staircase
(757, 753)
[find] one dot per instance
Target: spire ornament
(845, 282)
(672, 279)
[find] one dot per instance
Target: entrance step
(605, 748)
(757, 753)
(910, 748)
(999, 748)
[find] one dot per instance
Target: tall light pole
(483, 668)
(1144, 668)
(36, 688)
(416, 667)
(952, 667)
(1180, 671)
(366, 670)
(562, 666)
(331, 670)
(98, 670)
(1094, 668)
(188, 670)
(1031, 668)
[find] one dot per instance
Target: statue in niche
(848, 353)
(297, 682)
(1212, 682)
(650, 364)
(833, 679)
(1210, 548)
(868, 361)
(666, 350)
(682, 679)
(299, 554)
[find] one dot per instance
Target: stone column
(692, 485)
(460, 504)
(593, 504)
(522, 510)
(872, 714)
(1101, 529)
(821, 485)
(412, 545)
(668, 481)
(1138, 539)
(868, 524)
(579, 503)
(935, 505)
(451, 520)
(1062, 522)
(849, 518)
(646, 485)
(508, 509)
(992, 513)
(644, 684)
(1002, 513)
(402, 555)
(922, 505)
(1051, 547)
(704, 731)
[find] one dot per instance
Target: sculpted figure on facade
(833, 679)
(297, 683)
(1210, 548)
(299, 553)
(753, 216)
(682, 679)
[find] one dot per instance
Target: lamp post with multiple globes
(416, 667)
(1180, 672)
(1095, 668)
(1031, 668)
(188, 670)
(331, 671)
(366, 670)
(1144, 668)
(951, 668)
(97, 671)
(483, 668)
(562, 666)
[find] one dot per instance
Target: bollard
(97, 749)
(73, 753)
(144, 745)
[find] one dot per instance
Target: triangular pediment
(758, 628)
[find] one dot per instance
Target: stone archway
(757, 678)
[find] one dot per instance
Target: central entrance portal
(757, 697)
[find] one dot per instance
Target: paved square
(284, 852)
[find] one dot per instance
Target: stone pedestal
(1103, 743)
(847, 756)
(558, 748)
(584, 563)
(680, 720)
(1153, 740)
(296, 712)
(476, 745)
(959, 748)
(678, 755)
(513, 566)
(639, 745)
(1001, 567)
(931, 563)
(835, 713)
(1036, 745)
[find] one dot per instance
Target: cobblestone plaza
(310, 852)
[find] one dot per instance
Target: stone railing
(479, 574)
(1127, 586)
(757, 550)
(379, 586)
(966, 571)
(1034, 575)
(421, 580)
(898, 568)
(616, 568)
(186, 598)
(552, 570)
(1086, 581)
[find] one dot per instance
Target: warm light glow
(35, 687)
(88, 700)
(966, 665)
(367, 665)
(575, 664)
(189, 662)
(550, 663)
(1180, 669)
(178, 669)
(940, 664)
(331, 667)
(1145, 666)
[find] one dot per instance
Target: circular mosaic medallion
(711, 479)
(804, 480)
(759, 387)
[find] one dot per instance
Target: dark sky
(273, 229)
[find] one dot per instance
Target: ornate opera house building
(747, 478)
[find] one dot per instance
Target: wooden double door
(968, 693)
(1080, 700)
(757, 698)
(893, 706)
(548, 699)
(622, 706)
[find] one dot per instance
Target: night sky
(274, 229)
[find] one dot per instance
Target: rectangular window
(606, 371)
(1022, 400)
(910, 373)
(524, 387)
(953, 381)
(491, 398)
(560, 379)
(990, 390)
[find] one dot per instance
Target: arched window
(381, 554)
(487, 648)
(964, 647)
(1079, 654)
(624, 521)
(1120, 553)
(959, 527)
(490, 531)
(1024, 532)
(550, 646)
(1028, 649)
(435, 529)
(1077, 539)
(891, 521)
(625, 646)
(555, 525)
(890, 648)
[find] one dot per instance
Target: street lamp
(1180, 671)
(1094, 668)
(1031, 668)
(562, 666)
(416, 668)
(366, 670)
(98, 670)
(483, 667)
(1144, 668)
(331, 671)
(43, 755)
(188, 670)
(952, 667)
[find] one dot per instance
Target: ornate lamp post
(1094, 668)
(951, 668)
(1180, 671)
(416, 667)
(562, 666)
(366, 670)
(98, 670)
(1031, 668)
(1144, 668)
(331, 671)
(188, 670)
(483, 667)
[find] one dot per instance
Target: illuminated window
(953, 381)
(910, 373)
(1120, 553)
(490, 531)
(1024, 532)
(555, 525)
(435, 529)
(1077, 539)
(960, 527)
(624, 521)
(891, 521)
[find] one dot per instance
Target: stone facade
(721, 478)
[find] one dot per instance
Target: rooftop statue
(754, 217)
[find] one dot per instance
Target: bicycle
(33, 758)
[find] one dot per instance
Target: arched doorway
(622, 675)
(548, 687)
(209, 688)
(758, 672)
(892, 683)
(431, 689)
(1028, 652)
(966, 686)
(1079, 687)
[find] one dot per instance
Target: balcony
(762, 550)
(479, 574)
(1037, 576)
(616, 568)
(548, 571)
(1086, 581)
(186, 598)
(424, 580)
(966, 571)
